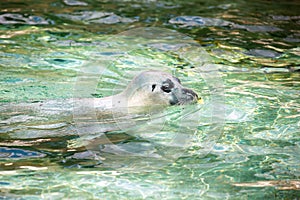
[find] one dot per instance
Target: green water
(244, 145)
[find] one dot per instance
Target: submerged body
(148, 91)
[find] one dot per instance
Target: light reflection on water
(259, 143)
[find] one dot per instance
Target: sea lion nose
(191, 93)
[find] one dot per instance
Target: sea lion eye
(167, 86)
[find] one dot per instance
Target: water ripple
(196, 21)
(96, 17)
(15, 153)
(13, 18)
(75, 3)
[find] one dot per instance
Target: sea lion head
(158, 88)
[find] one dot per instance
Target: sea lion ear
(177, 79)
(153, 87)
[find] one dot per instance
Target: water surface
(55, 50)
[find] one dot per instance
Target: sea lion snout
(183, 96)
(190, 94)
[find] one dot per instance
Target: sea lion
(147, 90)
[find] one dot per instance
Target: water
(249, 65)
